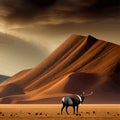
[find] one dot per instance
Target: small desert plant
(94, 112)
(58, 113)
(40, 113)
(29, 113)
(108, 113)
(88, 113)
(36, 113)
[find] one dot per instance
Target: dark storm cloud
(106, 8)
(90, 9)
(23, 11)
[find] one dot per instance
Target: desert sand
(52, 112)
(81, 63)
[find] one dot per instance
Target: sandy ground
(52, 112)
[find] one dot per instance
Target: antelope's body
(69, 101)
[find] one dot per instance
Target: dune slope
(79, 64)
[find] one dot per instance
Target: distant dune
(79, 64)
(3, 78)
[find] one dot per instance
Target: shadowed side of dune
(11, 89)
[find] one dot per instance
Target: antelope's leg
(73, 109)
(62, 108)
(77, 108)
(67, 109)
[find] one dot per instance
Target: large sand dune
(79, 64)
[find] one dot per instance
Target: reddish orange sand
(79, 64)
(52, 112)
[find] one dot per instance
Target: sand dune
(79, 64)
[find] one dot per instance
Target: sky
(32, 29)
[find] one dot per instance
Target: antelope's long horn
(89, 94)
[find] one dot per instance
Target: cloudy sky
(32, 29)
